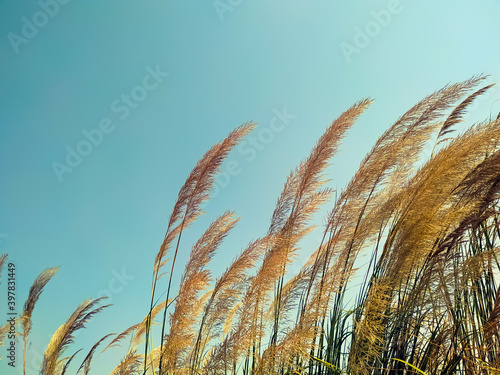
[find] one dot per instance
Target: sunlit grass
(429, 299)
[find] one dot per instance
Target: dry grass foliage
(428, 298)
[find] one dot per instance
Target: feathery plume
(68, 361)
(34, 293)
(193, 193)
(88, 359)
(64, 334)
(195, 279)
(224, 295)
(456, 115)
(129, 365)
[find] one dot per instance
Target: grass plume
(63, 337)
(34, 293)
(405, 279)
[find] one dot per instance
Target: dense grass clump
(429, 301)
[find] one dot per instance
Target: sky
(105, 107)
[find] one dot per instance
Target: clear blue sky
(153, 84)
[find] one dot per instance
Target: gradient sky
(197, 69)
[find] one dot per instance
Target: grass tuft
(427, 300)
